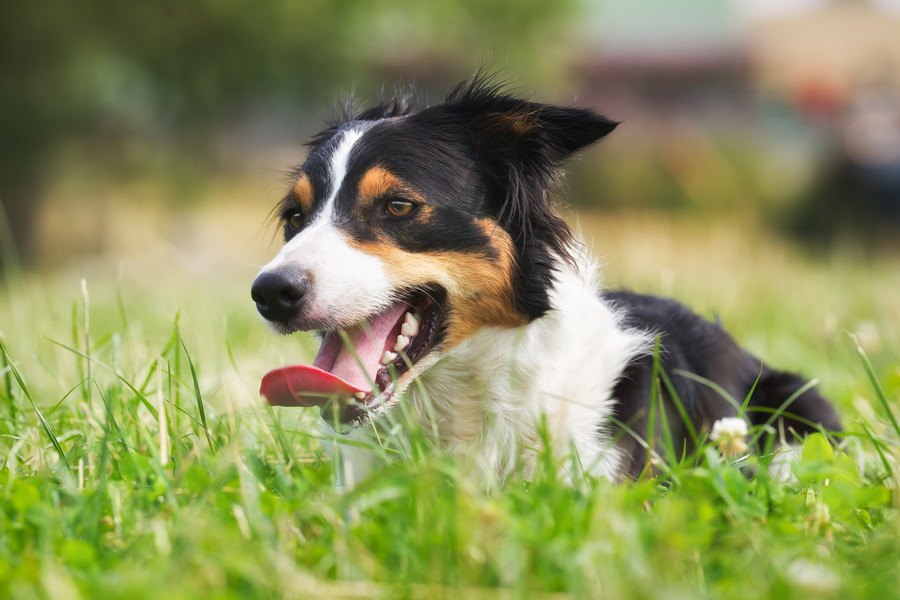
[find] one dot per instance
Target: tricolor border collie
(425, 247)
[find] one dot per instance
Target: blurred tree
(93, 73)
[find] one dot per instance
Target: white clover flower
(812, 577)
(730, 434)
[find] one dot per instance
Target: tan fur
(479, 287)
(303, 193)
(519, 123)
(378, 182)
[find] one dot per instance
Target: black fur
(480, 153)
(521, 164)
(691, 344)
(484, 153)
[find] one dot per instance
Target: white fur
(338, 167)
(490, 393)
(348, 285)
(489, 397)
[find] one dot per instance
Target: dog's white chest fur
(490, 396)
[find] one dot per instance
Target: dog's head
(408, 231)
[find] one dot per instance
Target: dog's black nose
(279, 293)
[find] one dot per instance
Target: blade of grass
(86, 331)
(120, 301)
(278, 435)
(142, 397)
(778, 412)
(198, 396)
(781, 410)
(8, 386)
(75, 344)
(878, 449)
(710, 384)
(65, 397)
(717, 479)
(44, 424)
(749, 395)
(174, 377)
(879, 392)
(163, 421)
(668, 440)
(654, 387)
(679, 406)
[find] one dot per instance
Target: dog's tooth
(402, 343)
(410, 325)
(360, 395)
(388, 357)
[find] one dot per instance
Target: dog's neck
(494, 398)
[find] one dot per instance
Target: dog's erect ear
(511, 129)
(568, 130)
(521, 145)
(400, 105)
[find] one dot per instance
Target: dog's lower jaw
(492, 396)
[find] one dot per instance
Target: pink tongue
(302, 385)
(337, 369)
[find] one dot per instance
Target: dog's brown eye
(399, 208)
(295, 221)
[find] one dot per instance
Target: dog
(424, 245)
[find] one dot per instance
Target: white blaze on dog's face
(342, 284)
(405, 233)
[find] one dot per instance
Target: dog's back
(710, 374)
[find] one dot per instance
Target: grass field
(136, 460)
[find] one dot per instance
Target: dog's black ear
(401, 104)
(511, 129)
(568, 130)
(520, 145)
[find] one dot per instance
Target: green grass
(137, 462)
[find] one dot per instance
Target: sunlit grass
(136, 460)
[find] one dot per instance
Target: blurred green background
(116, 118)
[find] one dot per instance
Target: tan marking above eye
(303, 192)
(378, 182)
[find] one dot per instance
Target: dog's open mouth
(355, 370)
